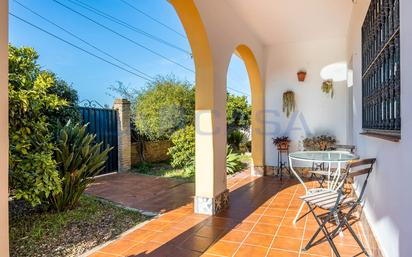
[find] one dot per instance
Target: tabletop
(323, 156)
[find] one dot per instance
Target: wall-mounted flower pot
(301, 76)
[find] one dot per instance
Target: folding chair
(336, 202)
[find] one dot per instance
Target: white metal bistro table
(335, 158)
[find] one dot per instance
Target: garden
(52, 159)
(165, 110)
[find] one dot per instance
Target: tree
(163, 107)
(238, 113)
(57, 118)
(32, 169)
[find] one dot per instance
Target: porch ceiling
(280, 21)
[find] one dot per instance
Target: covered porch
(259, 222)
(251, 215)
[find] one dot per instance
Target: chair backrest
(358, 168)
(349, 148)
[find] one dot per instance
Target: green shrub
(79, 159)
(58, 118)
(238, 113)
(163, 107)
(183, 149)
(233, 162)
(237, 140)
(183, 152)
(32, 169)
(144, 167)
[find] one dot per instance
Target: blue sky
(92, 77)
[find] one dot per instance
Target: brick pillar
(123, 134)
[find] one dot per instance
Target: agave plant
(233, 162)
(78, 158)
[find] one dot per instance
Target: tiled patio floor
(258, 223)
(146, 193)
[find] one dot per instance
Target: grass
(37, 233)
(164, 169)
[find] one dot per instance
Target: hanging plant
(288, 102)
(327, 87)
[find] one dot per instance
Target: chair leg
(346, 223)
(345, 220)
(297, 215)
(322, 227)
(336, 216)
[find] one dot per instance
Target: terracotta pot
(301, 76)
(283, 145)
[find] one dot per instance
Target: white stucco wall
(388, 204)
(316, 113)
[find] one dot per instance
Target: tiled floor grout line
(254, 225)
(303, 236)
(277, 230)
(361, 235)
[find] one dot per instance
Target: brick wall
(152, 151)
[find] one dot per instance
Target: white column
(4, 137)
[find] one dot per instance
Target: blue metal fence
(103, 123)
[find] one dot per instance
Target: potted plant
(282, 143)
(301, 75)
(319, 143)
(327, 87)
(288, 102)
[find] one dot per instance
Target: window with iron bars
(381, 84)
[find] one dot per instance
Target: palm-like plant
(233, 162)
(78, 158)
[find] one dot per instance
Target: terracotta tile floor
(146, 193)
(258, 223)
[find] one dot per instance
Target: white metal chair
(334, 202)
(335, 181)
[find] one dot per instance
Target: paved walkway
(146, 193)
(258, 223)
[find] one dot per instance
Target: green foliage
(238, 113)
(32, 169)
(79, 159)
(237, 140)
(327, 87)
(58, 118)
(233, 162)
(34, 232)
(183, 152)
(183, 149)
(144, 168)
(289, 103)
(163, 107)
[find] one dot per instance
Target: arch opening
(256, 99)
